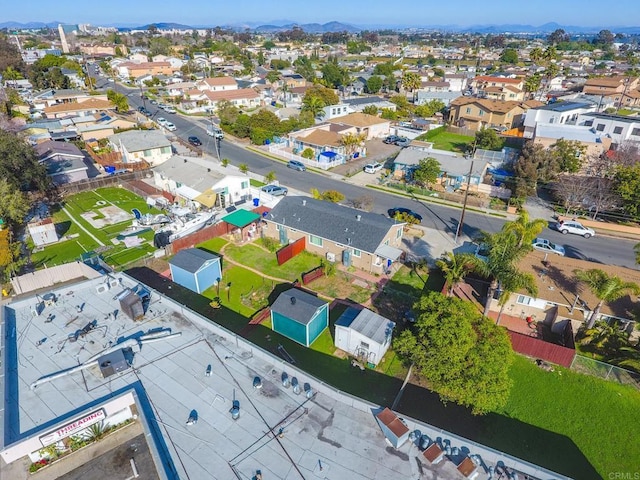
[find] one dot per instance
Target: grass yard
(267, 263)
(452, 142)
(213, 245)
(249, 292)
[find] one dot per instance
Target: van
(296, 165)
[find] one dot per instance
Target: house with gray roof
(363, 334)
(136, 146)
(556, 113)
(364, 240)
(64, 161)
(454, 168)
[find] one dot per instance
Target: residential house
(420, 97)
(454, 168)
(358, 104)
(561, 298)
(370, 126)
(610, 86)
(194, 180)
(325, 140)
(150, 146)
(364, 240)
(477, 113)
(64, 161)
(48, 98)
(136, 70)
(619, 128)
(79, 109)
(434, 86)
(299, 316)
(363, 334)
(458, 82)
(498, 88)
(102, 50)
(547, 134)
(207, 100)
(555, 113)
(334, 111)
(294, 80)
(195, 269)
(217, 84)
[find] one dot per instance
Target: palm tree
(513, 281)
(605, 337)
(455, 267)
(525, 229)
(351, 141)
(606, 288)
(315, 106)
(500, 264)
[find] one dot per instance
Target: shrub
(224, 162)
(307, 153)
(332, 196)
(270, 244)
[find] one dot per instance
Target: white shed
(43, 233)
(364, 334)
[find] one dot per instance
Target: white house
(334, 111)
(194, 180)
(364, 334)
(217, 84)
(555, 113)
(138, 145)
(619, 128)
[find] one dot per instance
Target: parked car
(391, 139)
(372, 167)
(275, 190)
(546, 246)
(296, 165)
(401, 210)
(403, 142)
(161, 121)
(215, 132)
(141, 109)
(170, 109)
(153, 102)
(170, 126)
(195, 141)
(575, 227)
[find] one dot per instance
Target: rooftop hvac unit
(131, 306)
(113, 282)
(331, 257)
(102, 288)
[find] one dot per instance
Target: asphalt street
(599, 249)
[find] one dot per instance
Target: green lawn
(70, 250)
(213, 245)
(266, 262)
(448, 141)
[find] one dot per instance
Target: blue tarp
(329, 154)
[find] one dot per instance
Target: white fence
(279, 150)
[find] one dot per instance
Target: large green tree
(19, 164)
(464, 357)
(488, 139)
(327, 95)
(607, 288)
(627, 185)
(14, 205)
(374, 84)
(427, 172)
(119, 100)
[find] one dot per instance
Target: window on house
(588, 123)
(165, 149)
(244, 185)
(636, 132)
(617, 130)
(524, 300)
(147, 153)
(364, 345)
(399, 233)
(600, 127)
(357, 253)
(315, 240)
(481, 113)
(468, 109)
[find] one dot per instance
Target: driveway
(377, 151)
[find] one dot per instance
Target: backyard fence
(312, 275)
(589, 366)
(200, 236)
(99, 182)
(287, 253)
(536, 348)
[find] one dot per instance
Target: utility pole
(464, 205)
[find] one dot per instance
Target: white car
(170, 126)
(169, 109)
(572, 226)
(544, 245)
(372, 167)
(161, 121)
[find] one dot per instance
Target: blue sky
(358, 12)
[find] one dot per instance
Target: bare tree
(572, 190)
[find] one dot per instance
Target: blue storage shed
(195, 269)
(300, 316)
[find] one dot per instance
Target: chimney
(293, 300)
(358, 217)
(304, 202)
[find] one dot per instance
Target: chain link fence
(589, 366)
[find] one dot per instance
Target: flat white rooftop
(331, 435)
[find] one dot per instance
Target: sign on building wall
(73, 427)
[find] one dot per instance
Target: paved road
(600, 249)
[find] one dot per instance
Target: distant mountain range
(281, 25)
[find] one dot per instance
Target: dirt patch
(110, 216)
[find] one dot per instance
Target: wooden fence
(99, 182)
(200, 236)
(312, 275)
(536, 348)
(288, 252)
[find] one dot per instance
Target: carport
(242, 224)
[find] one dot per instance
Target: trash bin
(256, 202)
